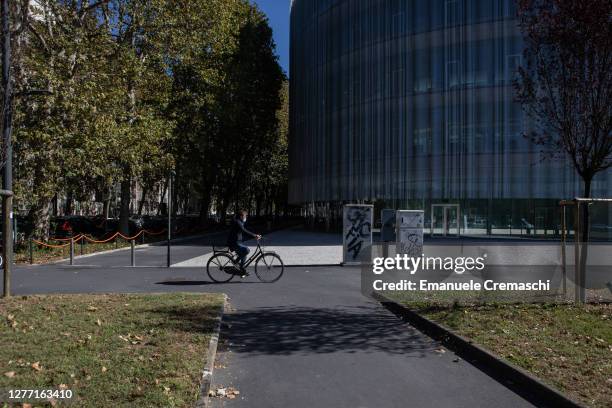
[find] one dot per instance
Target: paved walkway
(295, 246)
(309, 340)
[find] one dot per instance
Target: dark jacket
(236, 231)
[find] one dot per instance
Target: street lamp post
(7, 180)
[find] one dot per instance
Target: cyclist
(235, 237)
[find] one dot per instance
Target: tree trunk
(145, 191)
(54, 205)
(39, 214)
(162, 198)
(222, 210)
(204, 206)
(124, 214)
(185, 203)
(107, 204)
(68, 205)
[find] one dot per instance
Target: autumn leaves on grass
(122, 350)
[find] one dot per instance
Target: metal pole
(31, 251)
(563, 238)
(578, 289)
(71, 250)
(169, 208)
(82, 244)
(133, 243)
(7, 181)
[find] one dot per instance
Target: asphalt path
(309, 340)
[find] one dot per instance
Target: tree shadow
(305, 330)
(200, 282)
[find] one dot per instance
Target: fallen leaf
(104, 369)
(36, 366)
(9, 374)
(99, 322)
(92, 308)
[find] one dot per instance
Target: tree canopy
(113, 92)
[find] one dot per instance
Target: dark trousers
(242, 252)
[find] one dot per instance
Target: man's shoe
(245, 273)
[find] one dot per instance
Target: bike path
(308, 340)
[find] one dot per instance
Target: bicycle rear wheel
(269, 267)
(219, 268)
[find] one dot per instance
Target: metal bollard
(133, 244)
(31, 251)
(82, 244)
(71, 251)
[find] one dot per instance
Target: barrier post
(143, 237)
(71, 250)
(82, 244)
(116, 241)
(133, 244)
(169, 208)
(31, 251)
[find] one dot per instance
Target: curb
(207, 373)
(515, 378)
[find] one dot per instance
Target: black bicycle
(225, 264)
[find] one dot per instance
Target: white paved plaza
(295, 247)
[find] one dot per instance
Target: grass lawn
(127, 350)
(43, 255)
(566, 346)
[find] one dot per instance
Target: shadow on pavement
(305, 330)
(196, 283)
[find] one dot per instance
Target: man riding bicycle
(235, 237)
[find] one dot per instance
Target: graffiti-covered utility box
(409, 232)
(387, 225)
(357, 234)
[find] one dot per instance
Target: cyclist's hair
(240, 213)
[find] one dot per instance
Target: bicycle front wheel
(219, 268)
(269, 267)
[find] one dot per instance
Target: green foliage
(134, 88)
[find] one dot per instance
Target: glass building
(410, 103)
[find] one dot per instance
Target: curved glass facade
(410, 102)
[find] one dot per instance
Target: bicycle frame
(258, 252)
